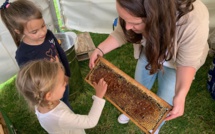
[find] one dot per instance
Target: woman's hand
(184, 78)
(96, 53)
(178, 108)
(106, 46)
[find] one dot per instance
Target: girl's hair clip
(5, 5)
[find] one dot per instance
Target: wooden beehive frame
(141, 105)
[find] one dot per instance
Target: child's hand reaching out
(55, 59)
(100, 88)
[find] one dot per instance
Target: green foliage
(199, 116)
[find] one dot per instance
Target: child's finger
(56, 58)
(101, 80)
(104, 82)
(94, 83)
(51, 60)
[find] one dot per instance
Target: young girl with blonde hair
(42, 83)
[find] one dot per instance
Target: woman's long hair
(160, 17)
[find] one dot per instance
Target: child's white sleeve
(71, 120)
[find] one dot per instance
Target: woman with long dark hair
(172, 37)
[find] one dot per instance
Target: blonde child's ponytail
(35, 79)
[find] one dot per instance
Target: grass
(199, 116)
(8, 81)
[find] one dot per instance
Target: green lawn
(199, 117)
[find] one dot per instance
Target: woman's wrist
(100, 50)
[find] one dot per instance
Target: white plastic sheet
(97, 15)
(89, 15)
(211, 8)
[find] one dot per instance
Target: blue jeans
(65, 98)
(166, 80)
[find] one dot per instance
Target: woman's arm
(106, 46)
(114, 40)
(184, 78)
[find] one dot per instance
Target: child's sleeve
(69, 120)
(21, 60)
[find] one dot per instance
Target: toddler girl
(42, 83)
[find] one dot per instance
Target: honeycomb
(141, 105)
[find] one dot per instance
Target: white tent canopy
(93, 15)
(98, 15)
(84, 15)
